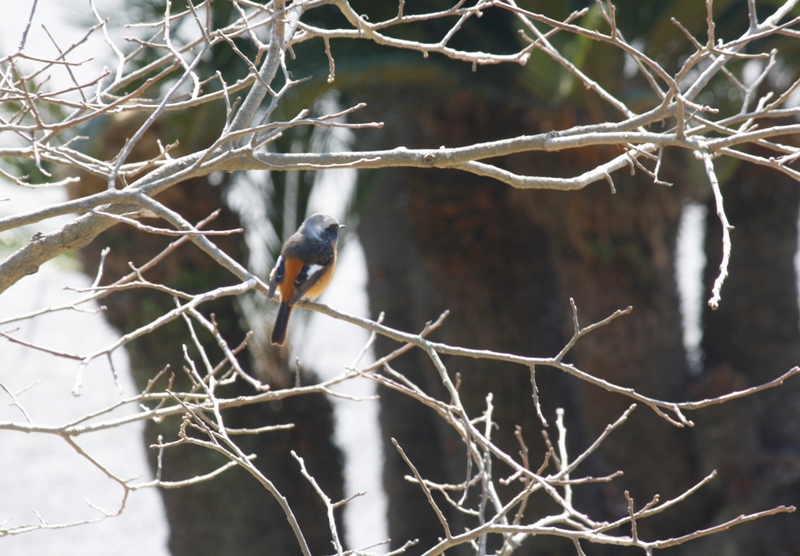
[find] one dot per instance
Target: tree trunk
(505, 263)
(751, 339)
(232, 513)
(611, 252)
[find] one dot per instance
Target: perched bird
(304, 268)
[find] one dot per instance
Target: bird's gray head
(322, 225)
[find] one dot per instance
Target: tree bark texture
(752, 338)
(505, 264)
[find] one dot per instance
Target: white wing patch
(313, 269)
(306, 273)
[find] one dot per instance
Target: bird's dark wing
(276, 276)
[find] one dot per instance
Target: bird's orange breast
(291, 267)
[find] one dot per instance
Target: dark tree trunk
(610, 252)
(432, 246)
(751, 339)
(443, 240)
(232, 514)
(505, 263)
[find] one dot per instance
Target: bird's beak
(342, 226)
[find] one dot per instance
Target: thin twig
(425, 489)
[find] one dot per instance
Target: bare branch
(426, 490)
(726, 232)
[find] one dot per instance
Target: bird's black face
(331, 232)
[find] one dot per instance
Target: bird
(304, 268)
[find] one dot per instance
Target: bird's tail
(281, 324)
